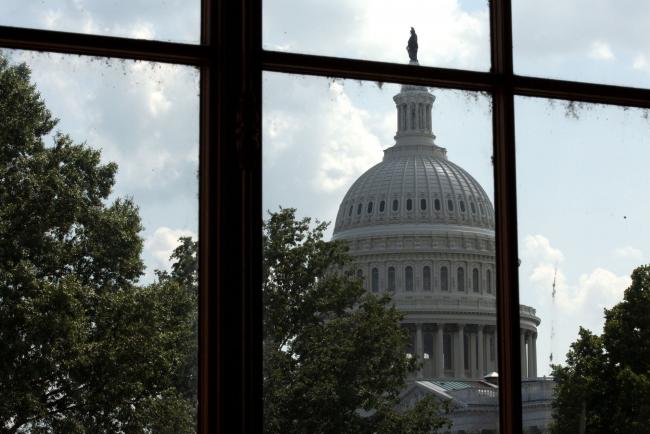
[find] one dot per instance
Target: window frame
(231, 61)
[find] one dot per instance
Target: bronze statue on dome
(412, 46)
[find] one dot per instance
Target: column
(399, 118)
(529, 344)
(496, 349)
(472, 356)
(459, 354)
(481, 351)
(419, 346)
(524, 365)
(440, 363)
(534, 355)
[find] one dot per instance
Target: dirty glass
(381, 163)
(591, 41)
(450, 33)
(98, 233)
(168, 20)
(582, 184)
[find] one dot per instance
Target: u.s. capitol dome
(421, 228)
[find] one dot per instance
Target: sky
(582, 178)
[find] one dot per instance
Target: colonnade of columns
(413, 116)
(457, 350)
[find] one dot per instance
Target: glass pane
(450, 33)
(169, 20)
(332, 147)
(582, 183)
(98, 232)
(584, 40)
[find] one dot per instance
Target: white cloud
(641, 62)
(51, 18)
(280, 128)
(601, 51)
(162, 243)
(348, 147)
(538, 248)
(158, 102)
(598, 287)
(629, 252)
(142, 30)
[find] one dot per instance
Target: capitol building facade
(421, 228)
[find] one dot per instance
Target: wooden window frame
(231, 61)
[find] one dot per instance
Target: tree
(83, 346)
(606, 382)
(334, 358)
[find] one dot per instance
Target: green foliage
(334, 359)
(83, 347)
(606, 380)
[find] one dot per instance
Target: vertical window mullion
(510, 417)
(208, 385)
(235, 243)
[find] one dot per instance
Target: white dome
(415, 184)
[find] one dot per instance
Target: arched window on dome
(375, 280)
(395, 204)
(460, 278)
(423, 204)
(426, 278)
(462, 206)
(471, 205)
(382, 206)
(408, 278)
(475, 280)
(369, 207)
(444, 279)
(391, 278)
(359, 209)
(450, 204)
(482, 209)
(351, 208)
(409, 204)
(488, 281)
(436, 204)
